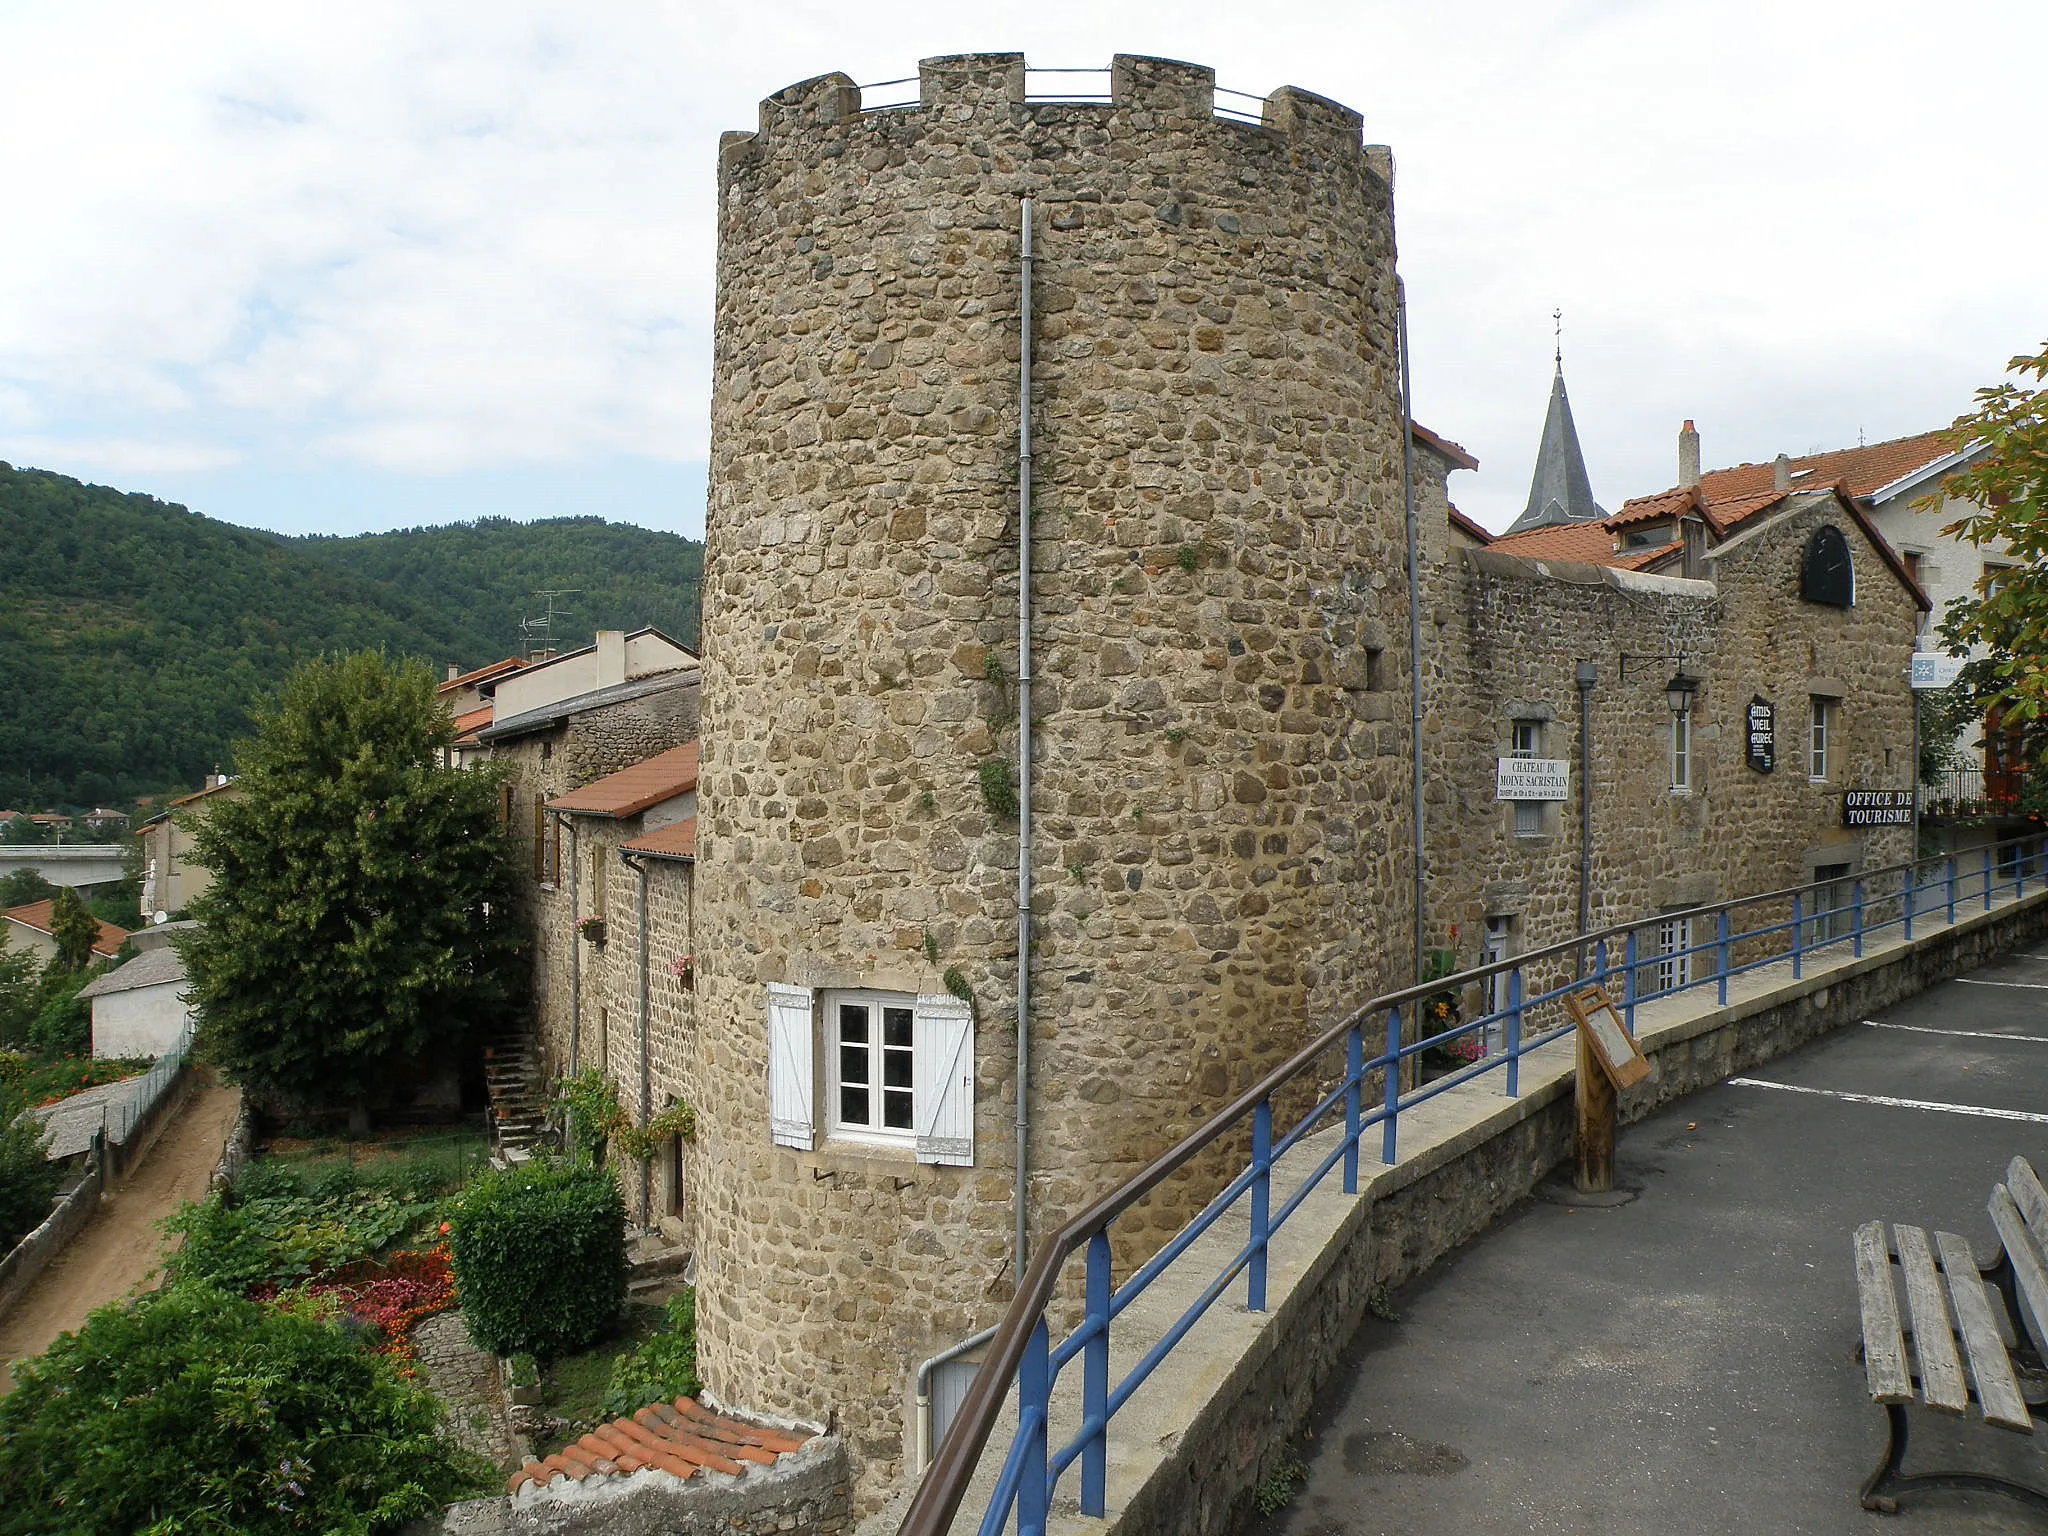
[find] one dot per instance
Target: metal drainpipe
(1586, 676)
(575, 951)
(646, 1076)
(1023, 746)
(1414, 631)
(924, 1393)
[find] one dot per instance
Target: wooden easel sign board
(1613, 1047)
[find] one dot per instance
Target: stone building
(1220, 781)
(619, 858)
(1775, 611)
(609, 718)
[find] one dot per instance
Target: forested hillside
(134, 635)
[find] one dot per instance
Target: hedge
(540, 1257)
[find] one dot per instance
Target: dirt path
(118, 1249)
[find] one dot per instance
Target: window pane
(896, 1027)
(896, 1069)
(853, 1106)
(853, 1022)
(853, 1063)
(896, 1109)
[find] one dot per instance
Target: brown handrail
(945, 1482)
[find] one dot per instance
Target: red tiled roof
(1860, 470)
(481, 674)
(677, 840)
(1588, 543)
(679, 1438)
(631, 790)
(1459, 458)
(37, 915)
(469, 723)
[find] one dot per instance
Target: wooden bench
(2002, 1328)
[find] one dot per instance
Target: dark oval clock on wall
(1825, 575)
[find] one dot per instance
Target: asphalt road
(1685, 1362)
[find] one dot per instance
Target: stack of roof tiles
(681, 1438)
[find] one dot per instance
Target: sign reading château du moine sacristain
(1763, 734)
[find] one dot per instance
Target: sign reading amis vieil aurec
(1877, 808)
(1762, 720)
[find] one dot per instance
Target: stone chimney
(1688, 456)
(1781, 473)
(611, 657)
(454, 671)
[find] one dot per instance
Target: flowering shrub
(391, 1296)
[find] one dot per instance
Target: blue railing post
(1857, 891)
(1721, 952)
(1600, 963)
(1393, 1088)
(1987, 879)
(1628, 981)
(1515, 1032)
(1951, 888)
(1034, 1402)
(1354, 1103)
(1798, 935)
(1095, 1381)
(1262, 1200)
(1910, 869)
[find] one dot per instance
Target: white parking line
(1968, 1034)
(1981, 1111)
(1978, 981)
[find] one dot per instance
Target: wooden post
(1594, 1103)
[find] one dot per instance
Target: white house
(139, 1009)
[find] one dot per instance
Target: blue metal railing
(1789, 925)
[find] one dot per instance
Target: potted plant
(684, 969)
(592, 928)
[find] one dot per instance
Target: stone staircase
(518, 1092)
(659, 1262)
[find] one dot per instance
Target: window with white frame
(1674, 954)
(897, 1070)
(1681, 750)
(1821, 737)
(1525, 740)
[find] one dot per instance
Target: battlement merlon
(965, 85)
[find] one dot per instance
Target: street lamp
(1679, 691)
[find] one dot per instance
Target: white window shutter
(790, 1073)
(943, 1071)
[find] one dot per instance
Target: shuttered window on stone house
(899, 1071)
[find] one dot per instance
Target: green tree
(75, 929)
(20, 995)
(28, 1179)
(23, 887)
(195, 1412)
(361, 914)
(2008, 485)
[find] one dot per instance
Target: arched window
(1825, 575)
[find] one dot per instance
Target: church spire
(1559, 491)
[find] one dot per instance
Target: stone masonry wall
(1505, 635)
(1221, 795)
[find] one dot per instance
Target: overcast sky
(332, 268)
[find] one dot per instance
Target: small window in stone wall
(1375, 669)
(1525, 740)
(898, 1070)
(1825, 573)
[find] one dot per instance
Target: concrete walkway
(1684, 1362)
(119, 1249)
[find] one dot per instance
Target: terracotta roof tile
(1860, 470)
(679, 1437)
(37, 915)
(472, 721)
(481, 674)
(631, 790)
(1456, 453)
(1587, 543)
(677, 840)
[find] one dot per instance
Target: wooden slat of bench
(1934, 1344)
(1884, 1347)
(2027, 1267)
(1990, 1366)
(2028, 1195)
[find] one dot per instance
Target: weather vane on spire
(1557, 335)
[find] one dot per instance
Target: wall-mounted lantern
(1679, 691)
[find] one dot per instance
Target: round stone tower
(1219, 623)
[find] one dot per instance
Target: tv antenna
(538, 635)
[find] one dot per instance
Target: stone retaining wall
(31, 1256)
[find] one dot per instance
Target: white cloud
(441, 238)
(117, 456)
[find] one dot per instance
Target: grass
(1278, 1490)
(435, 1157)
(572, 1388)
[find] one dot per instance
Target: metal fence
(122, 1116)
(1361, 1076)
(1965, 793)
